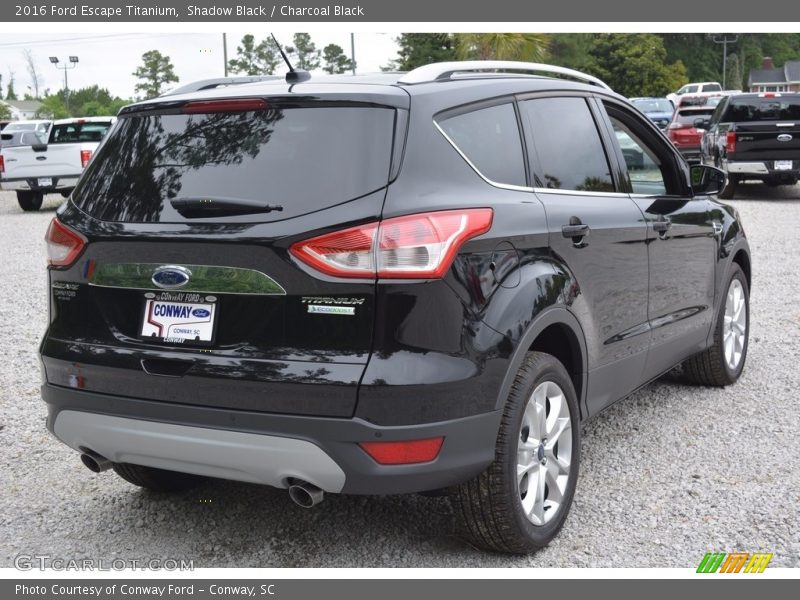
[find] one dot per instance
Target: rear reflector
(420, 246)
(730, 142)
(63, 244)
(403, 453)
(86, 156)
(2, 164)
(219, 106)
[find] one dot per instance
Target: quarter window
(568, 147)
(490, 140)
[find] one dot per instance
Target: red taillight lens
(419, 246)
(2, 164)
(86, 156)
(63, 244)
(218, 106)
(403, 453)
(730, 142)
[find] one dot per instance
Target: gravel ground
(668, 474)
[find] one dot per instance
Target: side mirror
(707, 180)
(701, 123)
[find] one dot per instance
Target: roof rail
(208, 84)
(444, 71)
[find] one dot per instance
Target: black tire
(157, 480)
(30, 201)
(710, 367)
(729, 190)
(489, 508)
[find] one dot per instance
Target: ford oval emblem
(171, 277)
(785, 137)
(200, 313)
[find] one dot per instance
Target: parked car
(53, 165)
(40, 126)
(684, 133)
(21, 138)
(754, 136)
(658, 110)
(387, 284)
(696, 89)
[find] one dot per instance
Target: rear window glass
(298, 159)
(778, 108)
(712, 87)
(490, 139)
(652, 106)
(687, 117)
(70, 133)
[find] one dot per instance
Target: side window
(490, 139)
(568, 147)
(650, 160)
(643, 165)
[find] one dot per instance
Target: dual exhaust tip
(301, 492)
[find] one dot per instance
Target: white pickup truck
(55, 164)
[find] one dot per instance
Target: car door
(681, 239)
(598, 238)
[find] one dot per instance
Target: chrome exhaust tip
(94, 462)
(305, 494)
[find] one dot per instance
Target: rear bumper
(265, 448)
(690, 153)
(32, 184)
(763, 168)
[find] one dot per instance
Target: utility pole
(353, 51)
(724, 41)
(225, 52)
(73, 62)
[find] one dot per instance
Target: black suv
(401, 283)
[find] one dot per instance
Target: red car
(682, 132)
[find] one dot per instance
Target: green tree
(530, 47)
(635, 64)
(571, 50)
(336, 60)
(418, 49)
(734, 77)
(52, 107)
(304, 54)
(11, 94)
(92, 93)
(255, 59)
(155, 71)
(5, 111)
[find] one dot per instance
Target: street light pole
(353, 51)
(725, 41)
(73, 62)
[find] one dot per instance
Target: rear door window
(296, 160)
(490, 140)
(568, 149)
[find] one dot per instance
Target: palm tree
(502, 46)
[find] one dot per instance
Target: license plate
(783, 165)
(45, 181)
(178, 322)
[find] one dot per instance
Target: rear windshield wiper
(203, 207)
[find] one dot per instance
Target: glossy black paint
(619, 306)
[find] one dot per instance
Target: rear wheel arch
(742, 259)
(557, 332)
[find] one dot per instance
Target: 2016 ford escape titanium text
(387, 284)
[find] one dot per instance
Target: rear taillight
(730, 142)
(221, 106)
(63, 244)
(420, 246)
(2, 164)
(86, 156)
(406, 452)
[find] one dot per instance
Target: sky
(109, 59)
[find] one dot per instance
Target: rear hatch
(682, 131)
(186, 291)
(767, 129)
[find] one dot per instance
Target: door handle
(575, 231)
(662, 225)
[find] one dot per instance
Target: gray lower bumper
(237, 455)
